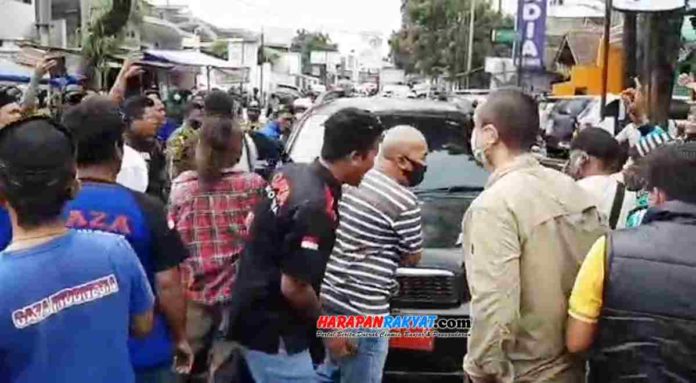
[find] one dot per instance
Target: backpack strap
(617, 205)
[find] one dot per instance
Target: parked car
(438, 284)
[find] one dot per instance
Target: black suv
(438, 284)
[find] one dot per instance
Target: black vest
(647, 330)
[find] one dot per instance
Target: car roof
(383, 105)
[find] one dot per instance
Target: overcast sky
(340, 18)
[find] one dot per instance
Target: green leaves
(434, 38)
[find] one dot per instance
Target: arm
(493, 271)
(409, 228)
(172, 302)
(141, 325)
(42, 67)
(579, 335)
(128, 70)
(141, 300)
(585, 303)
(301, 296)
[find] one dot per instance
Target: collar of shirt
(523, 161)
(328, 177)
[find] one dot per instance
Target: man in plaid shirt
(209, 207)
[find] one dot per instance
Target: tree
(305, 42)
(435, 40)
(219, 49)
(106, 32)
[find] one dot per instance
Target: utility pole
(263, 61)
(44, 21)
(470, 58)
(605, 56)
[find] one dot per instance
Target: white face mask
(478, 152)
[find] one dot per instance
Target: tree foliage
(435, 40)
(305, 42)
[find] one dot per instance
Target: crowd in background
(196, 259)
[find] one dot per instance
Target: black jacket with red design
(292, 232)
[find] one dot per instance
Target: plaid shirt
(212, 224)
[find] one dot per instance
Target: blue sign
(531, 27)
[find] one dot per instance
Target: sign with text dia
(531, 27)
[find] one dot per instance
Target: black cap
(9, 94)
(36, 145)
(597, 143)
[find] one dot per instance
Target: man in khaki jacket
(525, 237)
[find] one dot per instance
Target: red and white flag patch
(310, 243)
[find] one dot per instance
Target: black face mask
(415, 177)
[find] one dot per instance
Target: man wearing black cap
(10, 109)
(596, 159)
(69, 298)
(105, 206)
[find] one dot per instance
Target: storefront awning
(187, 58)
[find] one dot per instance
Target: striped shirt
(380, 223)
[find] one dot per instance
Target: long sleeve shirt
(525, 237)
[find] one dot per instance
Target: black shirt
(293, 233)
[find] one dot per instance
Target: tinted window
(450, 165)
(449, 161)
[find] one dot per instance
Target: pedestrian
(144, 118)
(280, 128)
(253, 115)
(380, 229)
(104, 205)
(639, 125)
(644, 147)
(631, 302)
(181, 146)
(209, 208)
(524, 239)
(275, 302)
(69, 298)
(596, 161)
(10, 108)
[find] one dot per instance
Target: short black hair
(515, 115)
(134, 107)
(350, 130)
(98, 127)
(671, 168)
(598, 143)
(218, 103)
(37, 169)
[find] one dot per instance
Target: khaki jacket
(525, 237)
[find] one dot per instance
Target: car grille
(441, 288)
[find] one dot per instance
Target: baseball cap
(36, 146)
(596, 142)
(9, 94)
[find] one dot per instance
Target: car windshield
(451, 183)
(450, 164)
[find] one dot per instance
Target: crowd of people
(141, 251)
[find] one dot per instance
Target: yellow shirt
(586, 298)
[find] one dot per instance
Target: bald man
(380, 229)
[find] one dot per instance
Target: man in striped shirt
(380, 229)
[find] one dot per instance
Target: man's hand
(183, 358)
(130, 70)
(44, 66)
(340, 348)
(411, 260)
(474, 379)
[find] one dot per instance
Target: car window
(448, 140)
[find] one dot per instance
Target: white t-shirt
(603, 189)
(133, 174)
(631, 134)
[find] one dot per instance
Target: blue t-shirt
(5, 229)
(142, 220)
(65, 309)
(272, 130)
